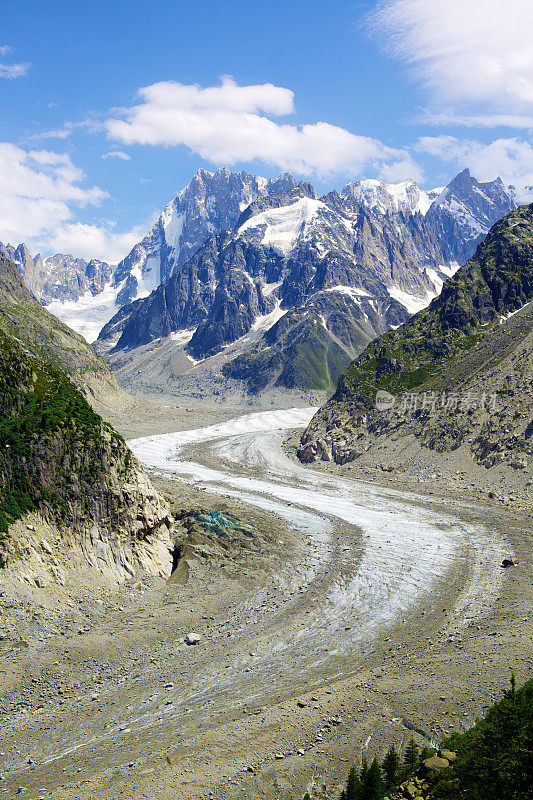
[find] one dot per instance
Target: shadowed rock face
(473, 341)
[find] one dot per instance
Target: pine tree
(353, 786)
(373, 784)
(410, 757)
(391, 767)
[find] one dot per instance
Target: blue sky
(108, 108)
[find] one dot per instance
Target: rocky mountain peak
(389, 198)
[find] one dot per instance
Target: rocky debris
(421, 784)
(431, 766)
(447, 754)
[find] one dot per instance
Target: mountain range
(286, 288)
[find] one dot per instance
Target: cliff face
(60, 459)
(458, 372)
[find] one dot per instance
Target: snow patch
(172, 223)
(349, 290)
(284, 225)
(410, 301)
(385, 197)
(268, 288)
(182, 337)
(89, 313)
(505, 317)
(266, 321)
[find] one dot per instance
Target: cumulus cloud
(511, 159)
(117, 154)
(230, 124)
(38, 191)
(94, 241)
(476, 52)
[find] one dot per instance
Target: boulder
(447, 754)
(434, 764)
(192, 638)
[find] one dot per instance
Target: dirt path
(369, 612)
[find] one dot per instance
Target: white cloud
(117, 154)
(446, 118)
(38, 190)
(11, 71)
(67, 129)
(465, 52)
(228, 124)
(94, 241)
(511, 159)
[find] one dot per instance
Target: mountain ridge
(457, 376)
(341, 272)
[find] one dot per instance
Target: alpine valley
(255, 287)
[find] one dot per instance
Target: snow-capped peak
(385, 198)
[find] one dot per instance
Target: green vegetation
(494, 759)
(312, 361)
(47, 431)
(375, 781)
(41, 334)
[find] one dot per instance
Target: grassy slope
(45, 337)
